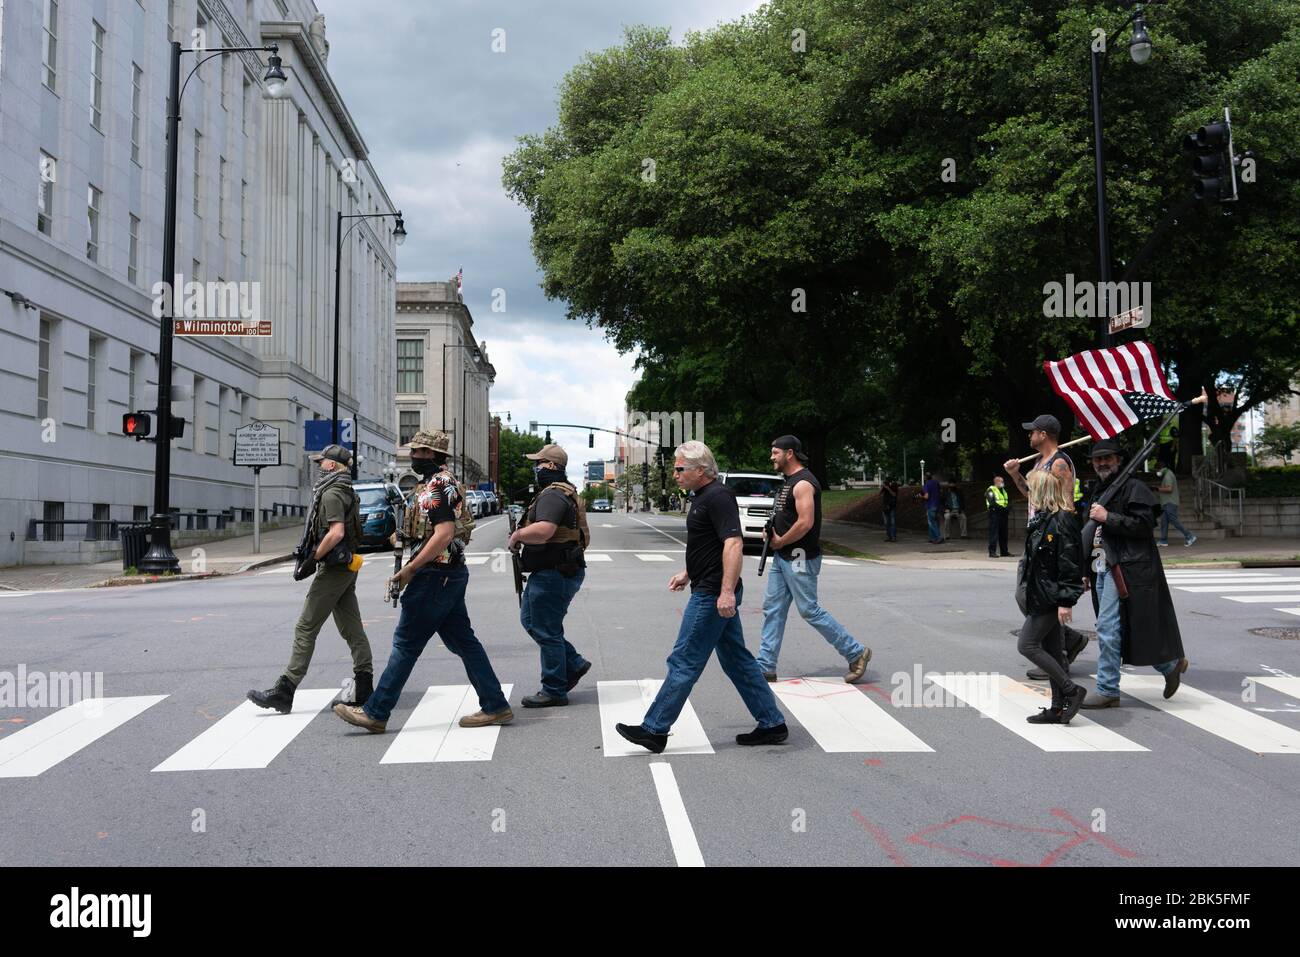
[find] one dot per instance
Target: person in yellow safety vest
(998, 503)
(1078, 499)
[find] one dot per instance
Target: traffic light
(591, 440)
(548, 437)
(645, 472)
(138, 425)
(1214, 174)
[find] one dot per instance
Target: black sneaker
(577, 676)
(1072, 703)
(1077, 648)
(775, 735)
(654, 743)
(543, 700)
(1046, 716)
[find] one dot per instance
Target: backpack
(465, 523)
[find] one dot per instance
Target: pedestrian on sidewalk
(796, 563)
(889, 509)
(1049, 583)
(1168, 495)
(334, 526)
(1135, 611)
(997, 502)
(552, 539)
(710, 621)
(432, 584)
(954, 509)
(933, 498)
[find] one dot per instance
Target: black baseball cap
(791, 444)
(1048, 423)
(1105, 447)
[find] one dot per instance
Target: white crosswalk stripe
(1009, 703)
(433, 734)
(626, 702)
(249, 737)
(653, 557)
(1285, 684)
(841, 718)
(1243, 586)
(1218, 717)
(38, 748)
(598, 557)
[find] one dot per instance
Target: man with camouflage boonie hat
(334, 526)
(433, 583)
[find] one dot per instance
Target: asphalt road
(860, 781)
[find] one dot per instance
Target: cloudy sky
(438, 110)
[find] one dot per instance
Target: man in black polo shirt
(714, 556)
(796, 542)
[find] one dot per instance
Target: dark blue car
(381, 512)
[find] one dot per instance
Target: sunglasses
(683, 468)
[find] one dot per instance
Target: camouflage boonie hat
(437, 441)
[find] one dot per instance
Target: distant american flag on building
(1111, 390)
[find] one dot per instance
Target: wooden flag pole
(1201, 399)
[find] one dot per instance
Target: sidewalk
(912, 550)
(225, 557)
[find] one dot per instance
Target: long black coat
(1150, 625)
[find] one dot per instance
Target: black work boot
(365, 687)
(280, 697)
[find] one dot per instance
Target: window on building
(94, 199)
(243, 217)
(139, 513)
(43, 372)
(410, 365)
(100, 513)
(50, 52)
(223, 195)
(198, 174)
(133, 380)
(227, 63)
(92, 378)
(137, 96)
(133, 251)
(195, 268)
(53, 512)
(247, 106)
(49, 168)
(408, 425)
(96, 75)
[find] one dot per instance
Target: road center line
(685, 848)
(659, 530)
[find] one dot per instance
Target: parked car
(517, 511)
(381, 512)
(600, 505)
(475, 500)
(756, 496)
(493, 506)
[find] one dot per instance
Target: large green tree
(837, 217)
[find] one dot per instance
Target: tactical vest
(415, 523)
(563, 535)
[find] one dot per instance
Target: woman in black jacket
(1050, 582)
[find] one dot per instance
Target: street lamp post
(1140, 51)
(160, 559)
(399, 236)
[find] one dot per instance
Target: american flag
(1111, 390)
(460, 278)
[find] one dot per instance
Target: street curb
(262, 562)
(150, 579)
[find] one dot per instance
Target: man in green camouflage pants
(336, 513)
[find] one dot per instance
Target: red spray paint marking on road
(883, 840)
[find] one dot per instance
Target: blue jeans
(703, 630)
(435, 601)
(932, 516)
(891, 522)
(546, 602)
(1110, 638)
(785, 582)
(1168, 515)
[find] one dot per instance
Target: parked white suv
(756, 496)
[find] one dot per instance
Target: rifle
(514, 562)
(391, 591)
(767, 541)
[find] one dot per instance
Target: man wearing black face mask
(438, 526)
(336, 514)
(552, 538)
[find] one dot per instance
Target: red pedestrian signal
(137, 424)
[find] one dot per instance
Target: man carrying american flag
(1111, 390)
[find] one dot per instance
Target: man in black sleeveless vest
(796, 563)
